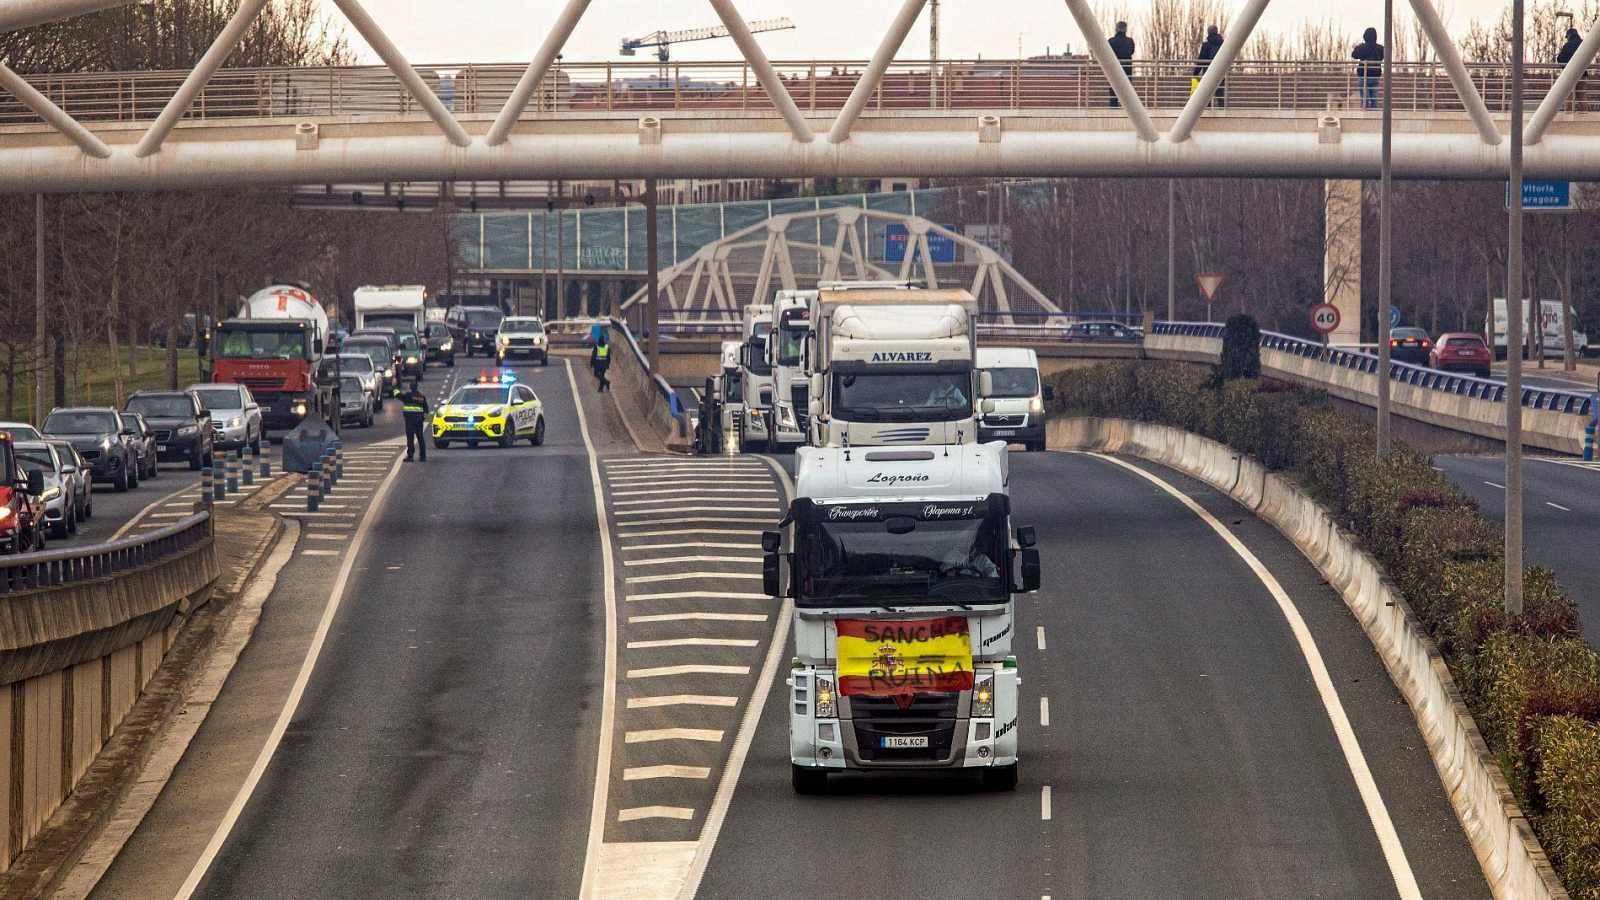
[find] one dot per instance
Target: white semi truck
(755, 377)
(791, 324)
(398, 306)
(903, 571)
(890, 366)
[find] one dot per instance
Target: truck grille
(931, 714)
(261, 385)
(1004, 421)
(800, 394)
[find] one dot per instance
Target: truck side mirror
(1030, 570)
(771, 541)
(1027, 536)
(986, 385)
(35, 482)
(770, 563)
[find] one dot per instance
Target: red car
(1459, 351)
(21, 514)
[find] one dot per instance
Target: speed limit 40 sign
(1324, 317)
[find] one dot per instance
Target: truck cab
(274, 348)
(903, 568)
(791, 325)
(892, 367)
(755, 377)
(722, 406)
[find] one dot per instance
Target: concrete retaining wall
(639, 395)
(1513, 861)
(73, 659)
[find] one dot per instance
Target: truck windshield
(758, 354)
(950, 561)
(397, 321)
(1014, 383)
(902, 397)
(789, 341)
(235, 343)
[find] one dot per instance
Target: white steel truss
(63, 154)
(773, 255)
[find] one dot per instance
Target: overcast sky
(510, 30)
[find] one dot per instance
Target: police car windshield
(907, 397)
(937, 562)
(1014, 383)
(485, 395)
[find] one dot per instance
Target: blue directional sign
(1546, 195)
(1394, 316)
(896, 238)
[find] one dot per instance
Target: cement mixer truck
(273, 347)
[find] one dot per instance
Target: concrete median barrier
(1511, 857)
(643, 396)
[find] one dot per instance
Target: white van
(1012, 397)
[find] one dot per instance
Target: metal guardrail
(1566, 402)
(31, 571)
(815, 85)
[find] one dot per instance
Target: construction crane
(661, 40)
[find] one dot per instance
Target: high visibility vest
(603, 351)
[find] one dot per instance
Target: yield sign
(1209, 283)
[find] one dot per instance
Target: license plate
(1463, 352)
(903, 742)
(161, 448)
(1005, 432)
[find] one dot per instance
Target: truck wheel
(1000, 778)
(538, 434)
(509, 436)
(808, 781)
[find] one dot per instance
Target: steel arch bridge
(776, 254)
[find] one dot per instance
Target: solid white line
(691, 669)
(1493, 485)
(754, 557)
(1557, 506)
(1038, 633)
(747, 728)
(165, 515)
(608, 687)
(128, 525)
(643, 773)
(634, 813)
(698, 617)
(651, 735)
(292, 703)
(681, 700)
(691, 576)
(327, 537)
(1044, 712)
(1044, 803)
(1393, 851)
(692, 642)
(750, 546)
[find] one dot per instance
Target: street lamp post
(1172, 249)
(1514, 297)
(652, 262)
(1386, 232)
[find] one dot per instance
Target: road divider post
(219, 463)
(265, 461)
(205, 482)
(233, 471)
(247, 470)
(313, 490)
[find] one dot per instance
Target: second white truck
(791, 325)
(755, 376)
(398, 306)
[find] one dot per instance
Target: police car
(494, 408)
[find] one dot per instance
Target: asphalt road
(1561, 518)
(1187, 753)
(445, 743)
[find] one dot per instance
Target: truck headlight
(1036, 405)
(299, 408)
(786, 417)
(983, 697)
(827, 706)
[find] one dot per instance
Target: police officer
(600, 361)
(415, 408)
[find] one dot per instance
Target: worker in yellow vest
(600, 361)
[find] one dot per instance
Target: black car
(438, 345)
(474, 327)
(105, 441)
(144, 445)
(181, 424)
(408, 360)
(1410, 345)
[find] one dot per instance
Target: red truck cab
(21, 514)
(277, 360)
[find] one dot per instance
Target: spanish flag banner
(890, 658)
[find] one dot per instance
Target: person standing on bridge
(1369, 67)
(600, 361)
(415, 407)
(1122, 48)
(1570, 48)
(1208, 52)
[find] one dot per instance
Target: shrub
(1568, 767)
(1241, 348)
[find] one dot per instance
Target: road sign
(1209, 283)
(1394, 316)
(1325, 317)
(897, 237)
(1549, 196)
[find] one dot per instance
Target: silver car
(82, 479)
(360, 365)
(235, 415)
(60, 509)
(21, 431)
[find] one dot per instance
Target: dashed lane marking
(1496, 486)
(651, 735)
(692, 576)
(326, 537)
(320, 552)
(644, 773)
(756, 525)
(692, 642)
(669, 560)
(1038, 634)
(698, 617)
(1044, 712)
(681, 700)
(633, 814)
(709, 509)
(1044, 803)
(680, 546)
(166, 515)
(1557, 506)
(705, 595)
(678, 532)
(690, 669)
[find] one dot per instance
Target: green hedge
(1532, 683)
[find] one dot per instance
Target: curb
(82, 817)
(1513, 862)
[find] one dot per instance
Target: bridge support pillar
(1341, 261)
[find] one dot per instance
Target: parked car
(60, 508)
(103, 438)
(1101, 333)
(474, 327)
(235, 415)
(181, 423)
(21, 514)
(144, 443)
(1459, 351)
(21, 431)
(1410, 345)
(81, 480)
(359, 365)
(438, 346)
(355, 406)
